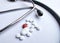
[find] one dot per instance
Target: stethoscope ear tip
(40, 13)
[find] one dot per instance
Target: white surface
(49, 29)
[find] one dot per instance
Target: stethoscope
(39, 12)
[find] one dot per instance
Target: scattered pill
(17, 35)
(31, 20)
(22, 38)
(23, 32)
(37, 28)
(31, 30)
(28, 34)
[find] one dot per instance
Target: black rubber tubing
(54, 14)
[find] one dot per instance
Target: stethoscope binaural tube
(20, 18)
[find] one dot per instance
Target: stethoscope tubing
(54, 14)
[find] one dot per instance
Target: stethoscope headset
(40, 13)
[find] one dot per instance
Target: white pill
(28, 34)
(31, 20)
(34, 23)
(27, 20)
(29, 24)
(21, 38)
(37, 28)
(31, 30)
(23, 32)
(17, 35)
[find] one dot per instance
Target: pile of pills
(27, 28)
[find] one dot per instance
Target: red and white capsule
(24, 29)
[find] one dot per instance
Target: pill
(31, 20)
(31, 30)
(27, 20)
(21, 38)
(37, 28)
(29, 24)
(35, 25)
(28, 34)
(17, 35)
(23, 32)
